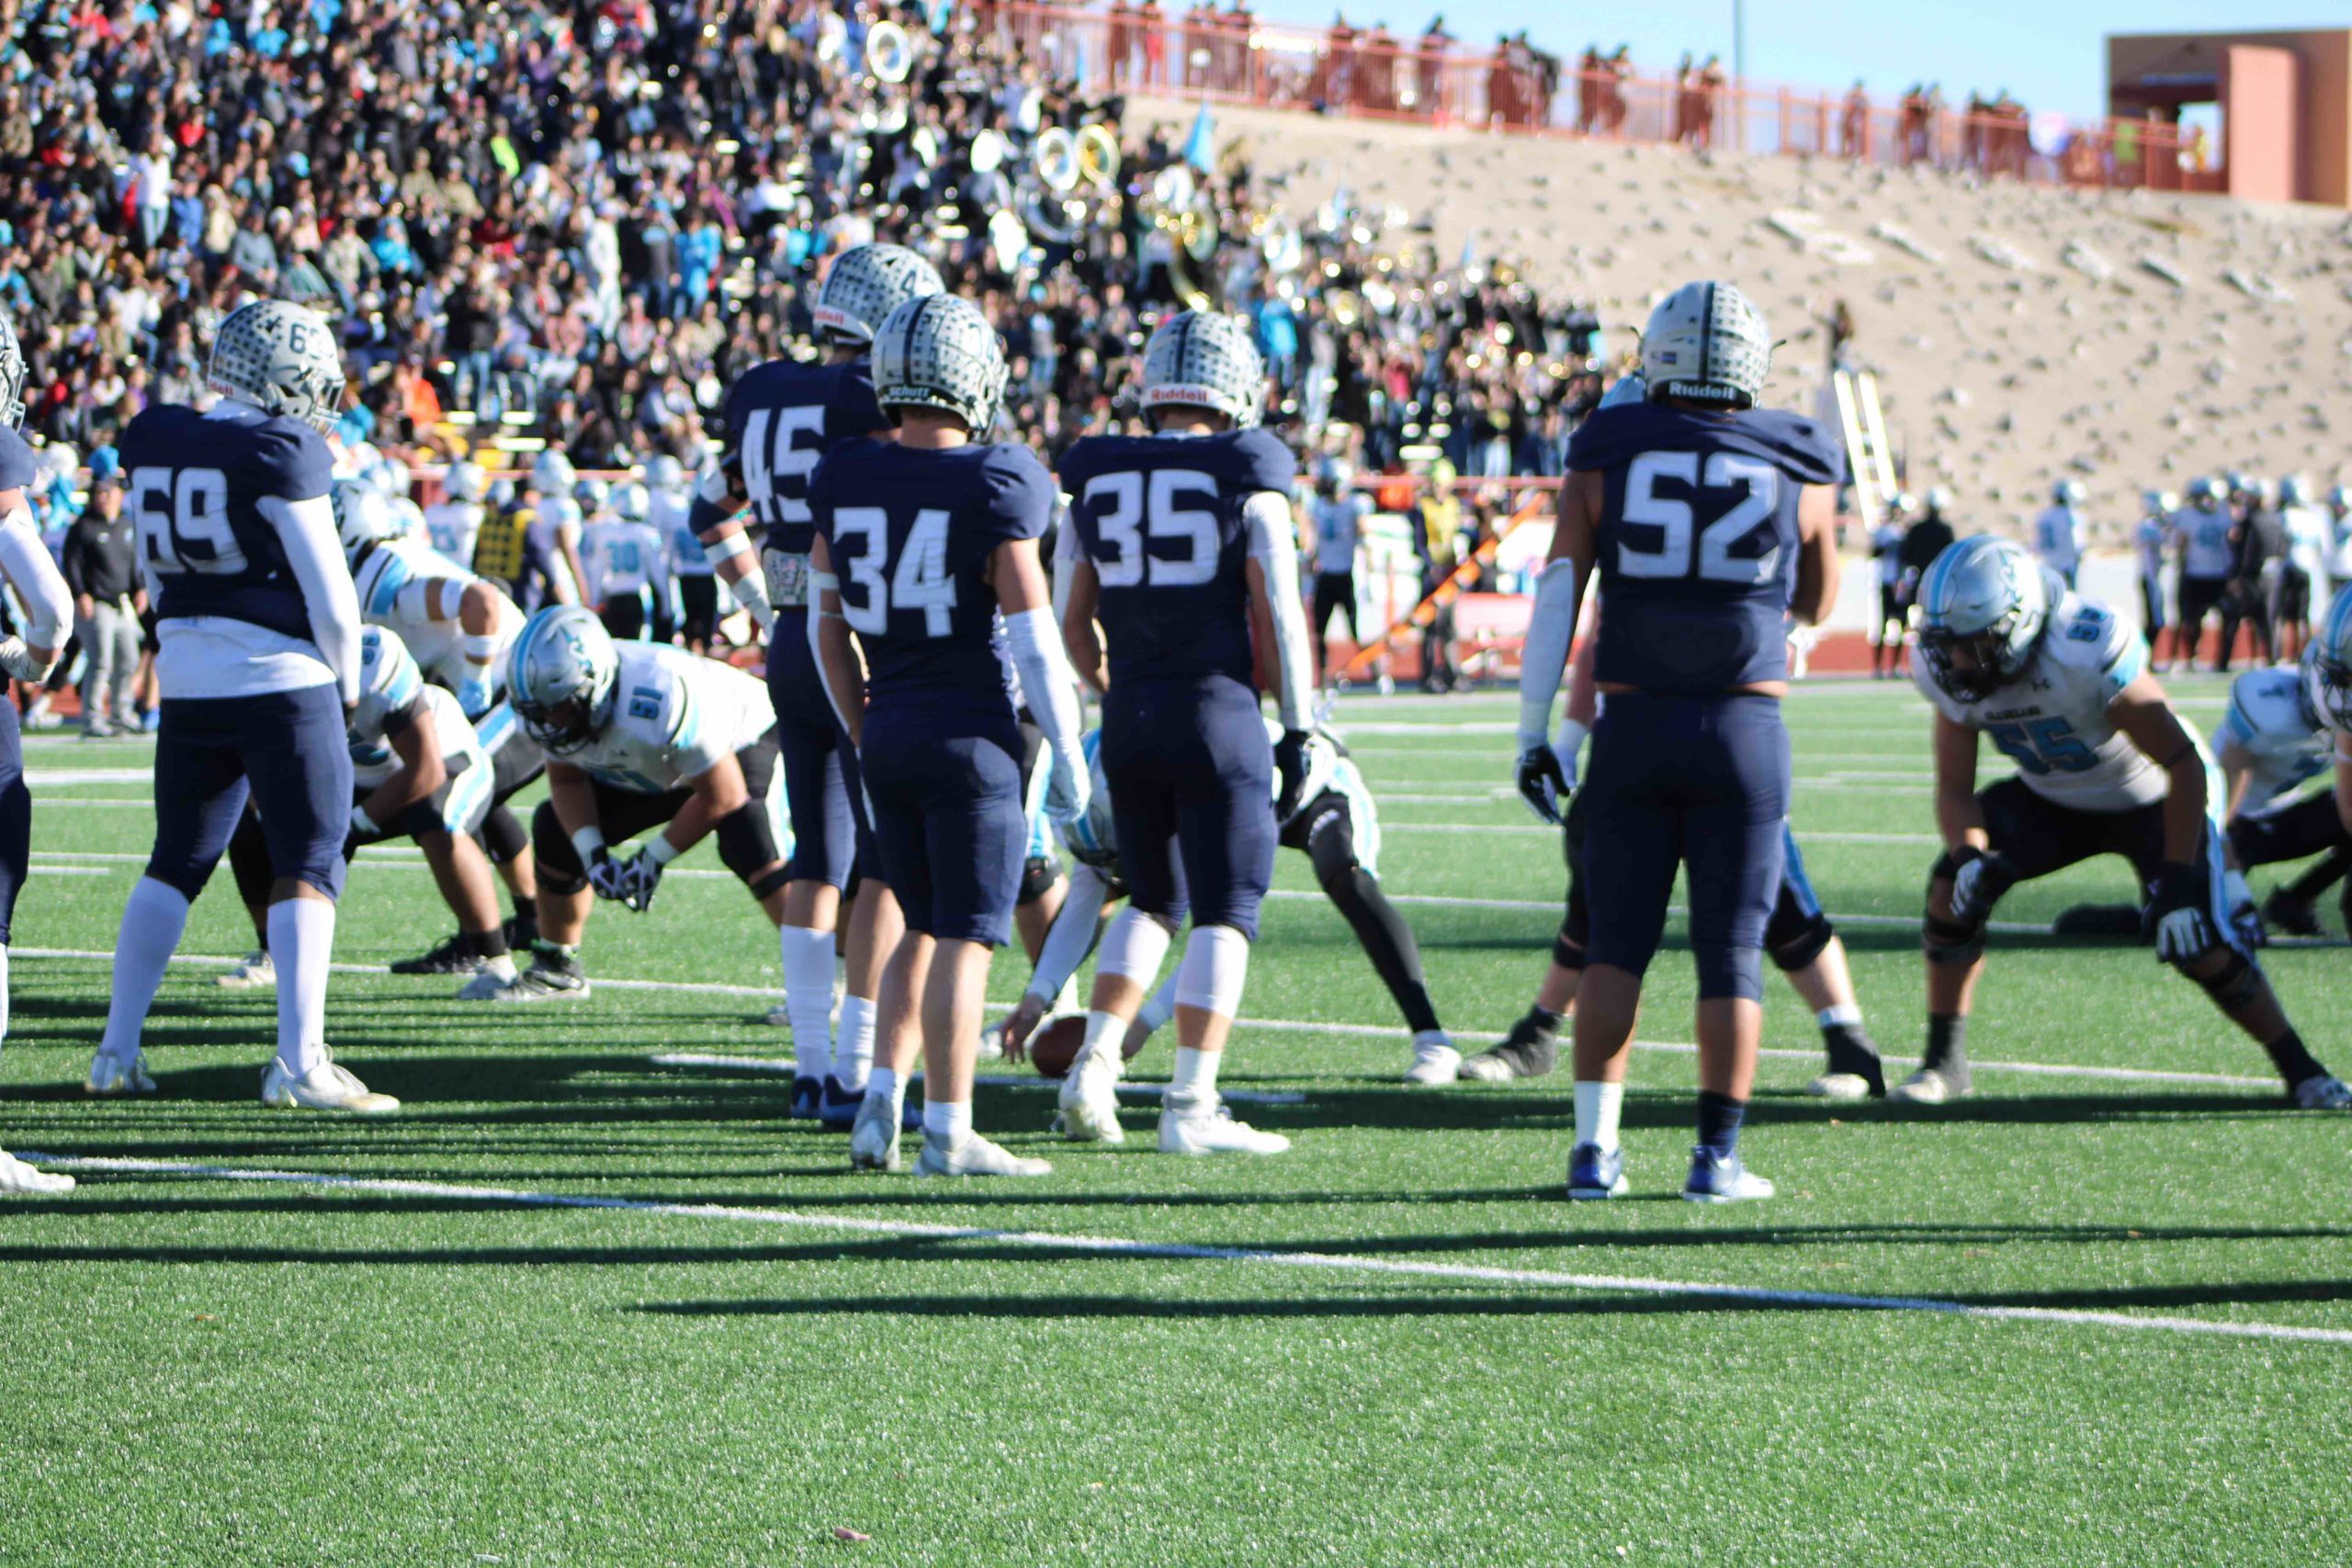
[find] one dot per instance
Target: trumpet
(1179, 207)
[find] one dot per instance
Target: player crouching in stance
(638, 736)
(1176, 541)
(1711, 523)
(932, 537)
(2104, 767)
(259, 662)
(40, 587)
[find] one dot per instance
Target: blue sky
(2050, 53)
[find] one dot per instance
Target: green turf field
(1394, 1345)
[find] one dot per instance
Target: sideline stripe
(1336, 1262)
(1275, 1025)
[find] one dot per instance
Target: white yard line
(785, 1066)
(1319, 1262)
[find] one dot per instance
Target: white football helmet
(865, 285)
(466, 482)
(2327, 665)
(552, 472)
(392, 479)
(592, 495)
(632, 502)
(1707, 343)
(281, 358)
(362, 517)
(664, 472)
(562, 677)
(939, 351)
(2202, 489)
(1983, 606)
(1938, 498)
(2067, 493)
(1199, 359)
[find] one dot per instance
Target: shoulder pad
(1266, 462)
(289, 459)
(1021, 492)
(2085, 635)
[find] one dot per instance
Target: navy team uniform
(1697, 551)
(195, 484)
(18, 471)
(781, 418)
(911, 534)
(1184, 748)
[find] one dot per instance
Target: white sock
(853, 1044)
(1194, 1085)
(808, 997)
(3, 995)
(1830, 1018)
(502, 965)
(1106, 1039)
(882, 1080)
(301, 938)
(153, 920)
(948, 1122)
(1597, 1105)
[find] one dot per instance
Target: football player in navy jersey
(1175, 541)
(259, 626)
(1711, 523)
(780, 417)
(925, 563)
(49, 609)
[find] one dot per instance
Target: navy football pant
(16, 818)
(948, 818)
(1700, 782)
(1796, 934)
(287, 751)
(1192, 778)
(829, 834)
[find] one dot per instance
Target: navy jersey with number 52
(1160, 516)
(911, 533)
(1697, 547)
(781, 418)
(197, 486)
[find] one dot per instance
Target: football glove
(604, 875)
(474, 694)
(1290, 768)
(2183, 931)
(1543, 782)
(1978, 884)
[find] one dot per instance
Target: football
(1054, 1045)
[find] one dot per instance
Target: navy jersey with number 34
(1697, 548)
(1160, 517)
(782, 418)
(911, 533)
(197, 484)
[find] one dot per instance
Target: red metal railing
(1225, 57)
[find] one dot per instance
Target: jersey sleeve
(854, 411)
(1599, 441)
(1020, 494)
(820, 495)
(2095, 641)
(694, 730)
(17, 469)
(288, 461)
(1266, 463)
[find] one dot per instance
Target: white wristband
(659, 850)
(588, 843)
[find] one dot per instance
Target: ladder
(1867, 448)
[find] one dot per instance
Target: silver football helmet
(562, 677)
(1984, 604)
(664, 472)
(362, 517)
(466, 482)
(280, 357)
(552, 473)
(1707, 343)
(632, 502)
(1199, 359)
(2327, 665)
(865, 285)
(939, 351)
(13, 374)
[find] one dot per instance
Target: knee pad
(1216, 962)
(561, 871)
(1725, 971)
(1133, 945)
(1948, 941)
(1796, 942)
(2235, 983)
(766, 887)
(746, 841)
(1038, 875)
(1567, 954)
(501, 836)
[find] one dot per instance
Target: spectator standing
(101, 567)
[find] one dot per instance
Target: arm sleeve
(306, 530)
(1543, 659)
(819, 584)
(48, 605)
(1272, 545)
(1068, 550)
(1047, 681)
(1071, 937)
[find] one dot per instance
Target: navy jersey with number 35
(197, 484)
(911, 533)
(1161, 518)
(782, 418)
(1697, 548)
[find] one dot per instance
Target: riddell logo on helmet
(1200, 395)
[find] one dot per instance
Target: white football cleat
(778, 1017)
(1927, 1087)
(111, 1077)
(1088, 1099)
(257, 971)
(874, 1137)
(487, 984)
(972, 1154)
(1435, 1061)
(1215, 1132)
(1840, 1086)
(2321, 1092)
(25, 1181)
(324, 1088)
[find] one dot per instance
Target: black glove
(1542, 781)
(1290, 767)
(1979, 879)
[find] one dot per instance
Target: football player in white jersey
(2104, 767)
(2058, 532)
(2303, 571)
(628, 567)
(453, 522)
(40, 587)
(638, 737)
(456, 625)
(670, 498)
(392, 479)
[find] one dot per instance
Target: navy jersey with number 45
(1697, 547)
(198, 483)
(781, 418)
(1160, 516)
(911, 533)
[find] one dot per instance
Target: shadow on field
(1327, 1105)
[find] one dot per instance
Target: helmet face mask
(1199, 360)
(865, 285)
(1984, 606)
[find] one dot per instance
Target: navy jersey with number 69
(911, 533)
(1697, 547)
(781, 418)
(1160, 516)
(198, 483)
